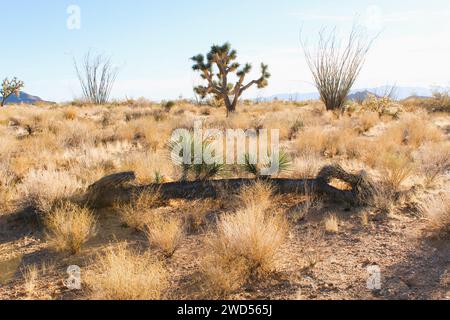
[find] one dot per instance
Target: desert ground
(251, 242)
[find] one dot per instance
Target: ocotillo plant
(219, 65)
(335, 68)
(10, 87)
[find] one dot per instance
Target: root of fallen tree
(120, 188)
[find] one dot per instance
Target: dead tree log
(120, 188)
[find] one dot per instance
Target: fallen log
(120, 188)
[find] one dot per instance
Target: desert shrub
(257, 194)
(413, 131)
(396, 168)
(334, 67)
(384, 200)
(168, 105)
(165, 233)
(367, 120)
(197, 213)
(137, 213)
(244, 246)
(329, 143)
(332, 224)
(30, 278)
(438, 214)
(42, 189)
(295, 128)
(69, 227)
(434, 161)
(382, 106)
(123, 274)
(70, 114)
(96, 76)
(307, 166)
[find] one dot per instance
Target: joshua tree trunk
(230, 105)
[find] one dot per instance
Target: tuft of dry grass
(332, 224)
(69, 227)
(244, 245)
(123, 274)
(165, 233)
(258, 194)
(396, 169)
(367, 120)
(30, 277)
(434, 161)
(438, 213)
(42, 189)
(414, 131)
(137, 213)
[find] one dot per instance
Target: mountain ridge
(399, 93)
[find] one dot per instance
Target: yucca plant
(284, 163)
(191, 165)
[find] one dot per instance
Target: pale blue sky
(152, 41)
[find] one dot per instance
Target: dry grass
(438, 213)
(165, 233)
(30, 278)
(396, 168)
(139, 211)
(69, 227)
(414, 131)
(332, 224)
(123, 274)
(245, 244)
(434, 161)
(42, 189)
(258, 195)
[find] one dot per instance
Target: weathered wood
(117, 188)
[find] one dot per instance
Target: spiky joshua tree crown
(219, 64)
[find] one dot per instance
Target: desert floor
(53, 153)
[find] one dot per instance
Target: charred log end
(362, 187)
(110, 187)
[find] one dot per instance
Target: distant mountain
(24, 98)
(361, 95)
(399, 93)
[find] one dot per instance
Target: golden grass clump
(42, 189)
(69, 227)
(329, 143)
(437, 212)
(396, 169)
(414, 131)
(165, 233)
(434, 161)
(367, 120)
(123, 274)
(258, 195)
(137, 213)
(332, 224)
(30, 278)
(244, 245)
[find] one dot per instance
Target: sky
(151, 41)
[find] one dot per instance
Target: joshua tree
(97, 76)
(219, 65)
(10, 87)
(336, 68)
